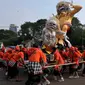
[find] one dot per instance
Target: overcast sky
(19, 11)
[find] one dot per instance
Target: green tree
(76, 35)
(7, 37)
(31, 30)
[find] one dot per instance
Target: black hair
(35, 45)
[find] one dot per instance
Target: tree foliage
(76, 35)
(8, 37)
(30, 30)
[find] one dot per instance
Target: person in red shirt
(24, 50)
(74, 56)
(16, 56)
(6, 59)
(1, 58)
(64, 53)
(57, 69)
(37, 59)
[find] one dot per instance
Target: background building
(13, 28)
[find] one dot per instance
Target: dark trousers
(13, 71)
(1, 64)
(33, 79)
(83, 72)
(72, 69)
(57, 73)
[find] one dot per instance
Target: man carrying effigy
(55, 32)
(37, 60)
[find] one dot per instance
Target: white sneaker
(71, 76)
(1, 69)
(76, 76)
(6, 73)
(47, 82)
(61, 80)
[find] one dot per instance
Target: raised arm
(76, 8)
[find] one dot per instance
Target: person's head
(53, 49)
(62, 7)
(67, 49)
(17, 48)
(9, 50)
(72, 48)
(35, 45)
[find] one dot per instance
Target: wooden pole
(64, 64)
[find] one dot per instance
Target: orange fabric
(58, 57)
(24, 50)
(83, 54)
(74, 55)
(21, 55)
(35, 55)
(17, 56)
(5, 56)
(10, 56)
(64, 54)
(48, 48)
(79, 53)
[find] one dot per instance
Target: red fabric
(72, 48)
(64, 54)
(17, 56)
(9, 50)
(6, 56)
(77, 62)
(24, 50)
(83, 54)
(17, 48)
(35, 55)
(56, 67)
(58, 57)
(1, 54)
(74, 55)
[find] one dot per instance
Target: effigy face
(63, 6)
(52, 24)
(49, 38)
(49, 32)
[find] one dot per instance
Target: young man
(36, 59)
(74, 56)
(16, 56)
(57, 70)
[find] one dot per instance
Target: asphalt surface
(23, 75)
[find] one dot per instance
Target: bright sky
(19, 11)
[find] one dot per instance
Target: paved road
(3, 81)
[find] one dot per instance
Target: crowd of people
(39, 62)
